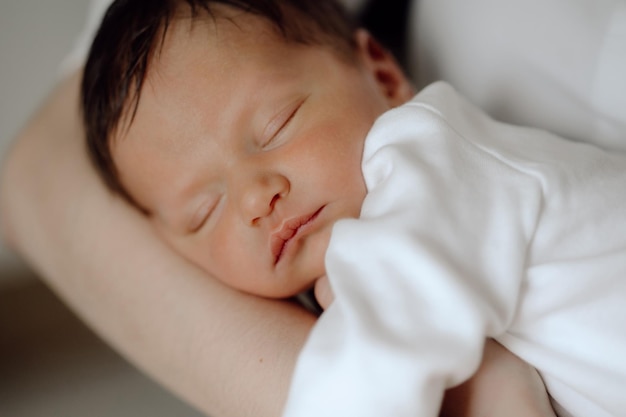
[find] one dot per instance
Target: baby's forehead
(196, 51)
(203, 45)
(209, 44)
(228, 38)
(224, 23)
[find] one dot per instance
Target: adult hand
(323, 292)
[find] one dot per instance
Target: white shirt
(471, 229)
(564, 74)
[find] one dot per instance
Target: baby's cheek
(222, 256)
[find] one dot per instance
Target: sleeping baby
(289, 154)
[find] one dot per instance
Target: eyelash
(282, 122)
(202, 216)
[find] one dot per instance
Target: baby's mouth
(281, 238)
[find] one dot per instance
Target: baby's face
(246, 150)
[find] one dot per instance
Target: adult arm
(504, 385)
(226, 353)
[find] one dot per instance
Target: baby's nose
(260, 195)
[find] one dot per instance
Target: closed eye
(202, 215)
(278, 123)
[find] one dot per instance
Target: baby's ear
(383, 66)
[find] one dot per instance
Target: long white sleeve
(439, 258)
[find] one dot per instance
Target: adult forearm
(227, 353)
(504, 385)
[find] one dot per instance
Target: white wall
(35, 35)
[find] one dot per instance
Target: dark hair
(132, 30)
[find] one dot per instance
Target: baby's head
(237, 127)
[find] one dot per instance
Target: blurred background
(50, 364)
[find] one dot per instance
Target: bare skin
(240, 138)
(492, 394)
(217, 192)
(227, 353)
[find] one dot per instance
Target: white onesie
(565, 77)
(471, 229)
